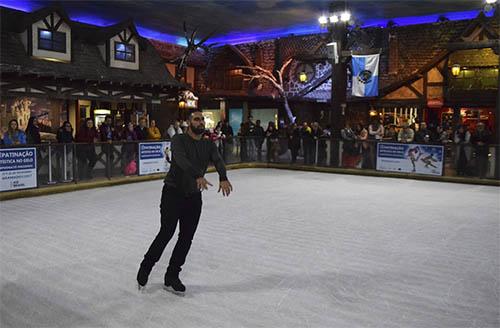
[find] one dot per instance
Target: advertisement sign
(17, 169)
(410, 158)
(154, 157)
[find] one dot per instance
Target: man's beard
(199, 130)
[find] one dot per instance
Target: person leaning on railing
(294, 141)
(14, 136)
(464, 150)
(406, 134)
(153, 131)
(87, 157)
(65, 133)
(480, 139)
(33, 132)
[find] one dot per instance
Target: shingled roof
(170, 52)
(419, 47)
(87, 62)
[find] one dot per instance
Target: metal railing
(75, 162)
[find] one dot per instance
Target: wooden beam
(473, 45)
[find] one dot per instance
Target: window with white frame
(51, 40)
(124, 52)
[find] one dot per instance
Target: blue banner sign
(154, 157)
(17, 169)
(410, 158)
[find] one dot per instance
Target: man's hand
(226, 188)
(202, 183)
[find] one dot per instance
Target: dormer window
(51, 40)
(124, 52)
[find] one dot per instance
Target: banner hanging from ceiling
(365, 75)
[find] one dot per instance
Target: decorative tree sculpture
(259, 73)
(191, 47)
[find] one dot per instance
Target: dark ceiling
(230, 20)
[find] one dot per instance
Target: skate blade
(173, 291)
(141, 289)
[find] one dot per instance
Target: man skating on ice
(181, 199)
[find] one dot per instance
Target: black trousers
(175, 207)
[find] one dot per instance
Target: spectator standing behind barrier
(406, 134)
(64, 136)
(65, 133)
(243, 135)
(108, 134)
(85, 152)
(259, 134)
(272, 143)
(174, 129)
(33, 132)
(307, 143)
(14, 136)
(375, 134)
(184, 126)
(319, 146)
(350, 151)
(423, 135)
(390, 133)
(251, 139)
(480, 139)
(153, 131)
(442, 135)
(294, 141)
(129, 149)
(141, 130)
(227, 142)
(362, 133)
(107, 131)
(463, 149)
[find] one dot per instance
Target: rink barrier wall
(59, 169)
(134, 179)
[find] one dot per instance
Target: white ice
(287, 249)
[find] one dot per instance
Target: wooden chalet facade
(415, 81)
(58, 69)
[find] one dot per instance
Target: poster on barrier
(410, 158)
(17, 169)
(154, 157)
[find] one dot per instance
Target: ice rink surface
(287, 249)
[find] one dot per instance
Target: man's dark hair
(192, 113)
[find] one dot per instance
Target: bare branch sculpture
(259, 73)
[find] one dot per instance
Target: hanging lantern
(303, 77)
(455, 70)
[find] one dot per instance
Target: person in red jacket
(85, 150)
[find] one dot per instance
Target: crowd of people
(470, 153)
(255, 139)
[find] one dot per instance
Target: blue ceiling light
(247, 37)
(238, 37)
(21, 5)
(93, 20)
(414, 20)
(152, 34)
